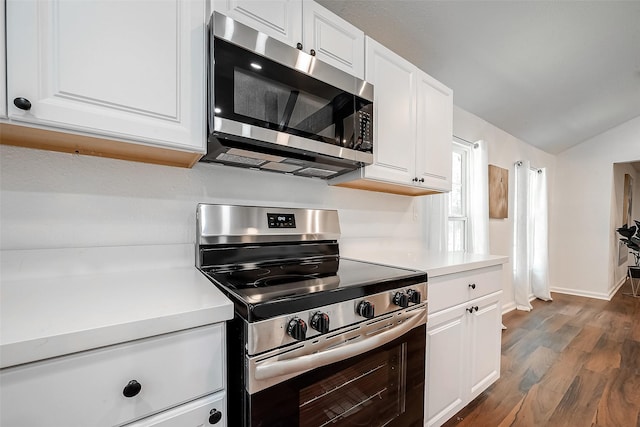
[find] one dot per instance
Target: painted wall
(503, 150)
(57, 200)
(583, 244)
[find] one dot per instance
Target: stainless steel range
(317, 339)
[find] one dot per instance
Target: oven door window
(380, 388)
(369, 393)
(254, 90)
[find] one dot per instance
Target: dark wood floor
(569, 362)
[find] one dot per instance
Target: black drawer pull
(22, 103)
(215, 416)
(132, 388)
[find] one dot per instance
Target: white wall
(503, 150)
(583, 244)
(57, 200)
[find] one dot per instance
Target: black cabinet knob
(421, 179)
(312, 52)
(366, 309)
(415, 179)
(215, 416)
(401, 299)
(22, 103)
(132, 388)
(472, 285)
(297, 329)
(299, 46)
(476, 307)
(414, 296)
(320, 322)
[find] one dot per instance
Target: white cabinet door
(434, 133)
(334, 40)
(3, 76)
(132, 70)
(485, 330)
(446, 362)
(280, 19)
(210, 410)
(394, 81)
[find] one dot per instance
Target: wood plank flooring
(569, 362)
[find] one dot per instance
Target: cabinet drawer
(452, 289)
(87, 389)
(201, 412)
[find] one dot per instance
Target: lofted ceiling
(551, 73)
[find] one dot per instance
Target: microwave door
(330, 118)
(288, 109)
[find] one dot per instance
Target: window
(458, 199)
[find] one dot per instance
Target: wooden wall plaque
(498, 192)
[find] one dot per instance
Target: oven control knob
(297, 329)
(320, 322)
(401, 299)
(414, 296)
(366, 309)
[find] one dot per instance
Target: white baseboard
(508, 307)
(581, 293)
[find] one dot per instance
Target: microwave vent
(316, 172)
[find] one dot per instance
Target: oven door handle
(308, 362)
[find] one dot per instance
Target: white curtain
(437, 216)
(540, 238)
(530, 247)
(479, 199)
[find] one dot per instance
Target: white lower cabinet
(210, 410)
(119, 384)
(463, 343)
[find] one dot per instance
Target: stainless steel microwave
(274, 107)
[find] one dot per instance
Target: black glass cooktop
(267, 290)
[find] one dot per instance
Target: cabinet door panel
(280, 19)
(131, 70)
(434, 133)
(192, 414)
(394, 114)
(485, 335)
(335, 41)
(445, 364)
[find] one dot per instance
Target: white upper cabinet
(303, 24)
(3, 77)
(334, 40)
(413, 126)
(434, 133)
(128, 70)
(394, 131)
(280, 19)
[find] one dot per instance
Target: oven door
(382, 385)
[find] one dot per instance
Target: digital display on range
(276, 220)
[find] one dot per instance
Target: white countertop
(99, 302)
(411, 255)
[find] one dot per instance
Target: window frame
(465, 151)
